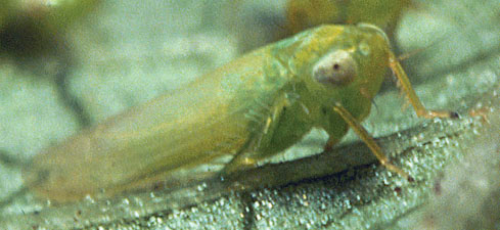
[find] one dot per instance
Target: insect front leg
(262, 132)
(286, 125)
(366, 137)
(336, 131)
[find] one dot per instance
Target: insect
(248, 110)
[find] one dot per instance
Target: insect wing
(212, 118)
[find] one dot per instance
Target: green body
(297, 103)
(249, 109)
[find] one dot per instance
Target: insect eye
(336, 69)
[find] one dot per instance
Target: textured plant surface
(129, 53)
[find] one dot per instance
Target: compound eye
(336, 69)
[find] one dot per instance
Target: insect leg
(330, 143)
(412, 96)
(247, 157)
(261, 139)
(240, 160)
(365, 136)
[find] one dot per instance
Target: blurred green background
(125, 53)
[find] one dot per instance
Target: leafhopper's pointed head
(342, 59)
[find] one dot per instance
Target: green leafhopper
(248, 110)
